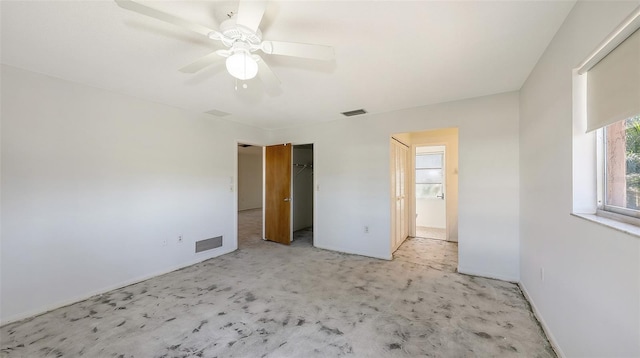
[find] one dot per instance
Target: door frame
(315, 189)
(234, 183)
(234, 186)
(412, 205)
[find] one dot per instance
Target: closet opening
(302, 182)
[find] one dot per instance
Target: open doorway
(288, 194)
(302, 179)
(250, 188)
(431, 179)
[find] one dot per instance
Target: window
(613, 110)
(606, 131)
(429, 175)
(621, 167)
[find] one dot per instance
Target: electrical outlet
(164, 242)
(366, 229)
(179, 239)
(541, 274)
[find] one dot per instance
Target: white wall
(589, 299)
(249, 178)
(93, 182)
(431, 212)
(352, 170)
(302, 188)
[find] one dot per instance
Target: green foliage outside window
(632, 134)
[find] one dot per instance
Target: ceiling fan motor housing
(233, 33)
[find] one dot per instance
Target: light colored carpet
(270, 300)
(436, 254)
(431, 233)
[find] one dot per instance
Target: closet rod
(399, 142)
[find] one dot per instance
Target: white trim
(471, 272)
(552, 339)
(621, 33)
(584, 151)
(264, 192)
(600, 168)
(236, 185)
(291, 194)
(629, 216)
(615, 224)
(80, 298)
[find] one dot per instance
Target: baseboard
(347, 251)
(543, 324)
(68, 302)
(492, 275)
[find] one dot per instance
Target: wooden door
(277, 215)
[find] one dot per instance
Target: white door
(399, 203)
(431, 218)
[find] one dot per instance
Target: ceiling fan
(241, 36)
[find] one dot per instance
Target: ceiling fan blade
(250, 13)
(268, 78)
(202, 63)
(163, 16)
(316, 52)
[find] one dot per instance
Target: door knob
(441, 196)
(287, 199)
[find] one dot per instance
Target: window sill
(611, 223)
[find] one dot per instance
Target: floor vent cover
(208, 244)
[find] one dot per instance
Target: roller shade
(613, 85)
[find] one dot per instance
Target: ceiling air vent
(354, 112)
(217, 113)
(244, 145)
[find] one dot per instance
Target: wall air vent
(244, 145)
(355, 112)
(217, 113)
(208, 244)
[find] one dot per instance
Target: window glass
(622, 166)
(428, 190)
(428, 161)
(429, 175)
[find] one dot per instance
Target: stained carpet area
(270, 300)
(432, 253)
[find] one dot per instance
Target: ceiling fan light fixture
(242, 66)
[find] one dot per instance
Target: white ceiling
(389, 54)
